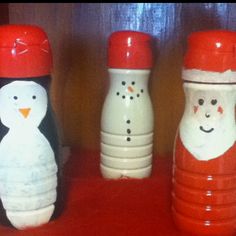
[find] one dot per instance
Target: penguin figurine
(30, 169)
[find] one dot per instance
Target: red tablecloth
(98, 207)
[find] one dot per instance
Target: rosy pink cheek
(220, 110)
(195, 109)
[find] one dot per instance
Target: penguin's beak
(25, 111)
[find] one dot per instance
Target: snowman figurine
(204, 170)
(127, 115)
(28, 136)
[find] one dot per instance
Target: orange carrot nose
(25, 111)
(130, 89)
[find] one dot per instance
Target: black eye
(123, 83)
(200, 101)
(213, 101)
(15, 97)
(34, 97)
(133, 83)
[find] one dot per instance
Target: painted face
(22, 103)
(129, 90)
(207, 128)
(208, 110)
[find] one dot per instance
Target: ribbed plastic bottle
(30, 173)
(204, 171)
(127, 119)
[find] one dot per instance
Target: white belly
(116, 113)
(27, 171)
(126, 138)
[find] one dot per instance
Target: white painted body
(127, 126)
(218, 130)
(28, 171)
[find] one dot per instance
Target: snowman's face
(22, 103)
(129, 89)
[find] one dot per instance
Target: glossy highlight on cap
(24, 51)
(130, 50)
(212, 50)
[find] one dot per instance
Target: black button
(128, 139)
(128, 131)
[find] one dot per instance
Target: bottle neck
(45, 80)
(128, 77)
(229, 90)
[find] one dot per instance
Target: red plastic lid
(213, 50)
(130, 50)
(24, 51)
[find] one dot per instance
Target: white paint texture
(207, 128)
(28, 171)
(196, 75)
(127, 126)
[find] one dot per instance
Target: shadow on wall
(4, 12)
(84, 93)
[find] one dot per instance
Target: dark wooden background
(78, 33)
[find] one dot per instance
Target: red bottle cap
(24, 51)
(213, 50)
(130, 50)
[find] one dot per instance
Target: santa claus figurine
(204, 170)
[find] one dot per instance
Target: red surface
(212, 50)
(204, 192)
(130, 50)
(100, 207)
(24, 51)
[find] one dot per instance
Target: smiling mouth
(206, 130)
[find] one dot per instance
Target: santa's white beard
(206, 146)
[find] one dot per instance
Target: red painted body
(204, 192)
